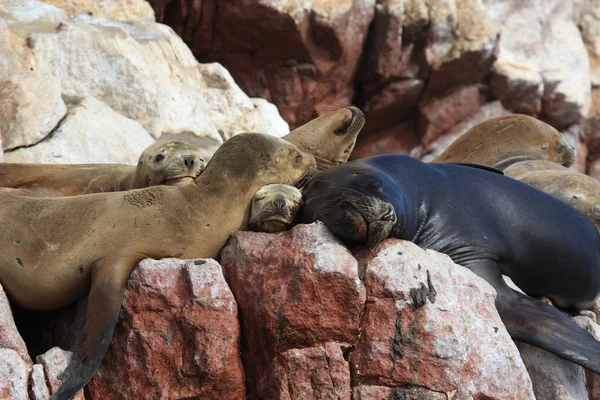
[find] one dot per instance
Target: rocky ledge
(296, 315)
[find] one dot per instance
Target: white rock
(13, 376)
(117, 10)
(54, 362)
(90, 133)
(23, 16)
(26, 117)
(39, 388)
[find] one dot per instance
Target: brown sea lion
(502, 141)
(578, 190)
(161, 163)
(55, 250)
(274, 208)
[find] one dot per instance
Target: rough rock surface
(177, 336)
(395, 139)
(116, 10)
(298, 291)
(553, 377)
(369, 392)
(446, 337)
(14, 376)
(91, 132)
(25, 116)
(39, 389)
(9, 336)
(54, 362)
(593, 385)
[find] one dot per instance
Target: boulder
(54, 362)
(400, 138)
(369, 392)
(177, 336)
(589, 24)
(432, 324)
(25, 116)
(593, 385)
(9, 336)
(39, 389)
(91, 132)
(14, 376)
(116, 10)
(300, 302)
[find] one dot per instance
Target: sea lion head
(253, 160)
(168, 163)
(274, 208)
(330, 138)
(351, 203)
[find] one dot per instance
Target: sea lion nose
(279, 204)
(188, 161)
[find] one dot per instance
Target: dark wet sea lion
(55, 250)
(274, 208)
(484, 221)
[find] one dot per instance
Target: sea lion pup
(501, 141)
(54, 250)
(161, 163)
(578, 190)
(330, 138)
(274, 208)
(484, 221)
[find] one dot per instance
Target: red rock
(14, 376)
(292, 374)
(9, 335)
(590, 134)
(593, 385)
(295, 289)
(438, 115)
(553, 377)
(39, 389)
(54, 362)
(396, 139)
(366, 392)
(177, 336)
(432, 324)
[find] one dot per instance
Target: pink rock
(396, 139)
(54, 362)
(432, 324)
(39, 389)
(9, 336)
(366, 392)
(593, 385)
(295, 289)
(438, 115)
(553, 377)
(177, 336)
(309, 373)
(14, 376)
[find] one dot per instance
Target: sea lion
(484, 221)
(501, 141)
(55, 250)
(274, 208)
(578, 190)
(161, 163)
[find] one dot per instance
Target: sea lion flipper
(102, 311)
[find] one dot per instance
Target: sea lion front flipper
(102, 312)
(534, 322)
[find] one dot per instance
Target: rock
(542, 63)
(39, 390)
(14, 376)
(116, 10)
(25, 116)
(573, 137)
(9, 335)
(589, 324)
(553, 377)
(593, 385)
(302, 56)
(297, 289)
(177, 336)
(292, 375)
(263, 119)
(11, 47)
(23, 15)
(396, 139)
(589, 25)
(446, 336)
(145, 72)
(593, 168)
(438, 115)
(54, 362)
(487, 111)
(367, 392)
(91, 132)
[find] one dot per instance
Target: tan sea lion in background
(161, 163)
(502, 141)
(55, 250)
(578, 190)
(274, 208)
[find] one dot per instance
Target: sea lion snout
(189, 161)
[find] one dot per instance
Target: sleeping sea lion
(501, 141)
(484, 221)
(274, 208)
(161, 163)
(55, 250)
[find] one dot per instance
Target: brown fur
(274, 208)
